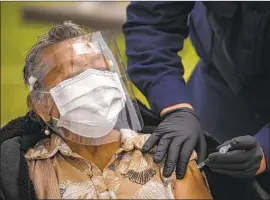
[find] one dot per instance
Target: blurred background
(23, 22)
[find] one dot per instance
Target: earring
(47, 131)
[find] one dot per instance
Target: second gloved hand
(242, 161)
(178, 134)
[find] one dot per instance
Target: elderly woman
(91, 147)
(80, 98)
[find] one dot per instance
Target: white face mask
(89, 104)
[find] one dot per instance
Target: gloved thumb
(201, 149)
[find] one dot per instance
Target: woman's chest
(130, 175)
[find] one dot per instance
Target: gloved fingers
(245, 142)
(201, 149)
(241, 143)
(172, 156)
(235, 156)
(149, 144)
(161, 150)
(184, 156)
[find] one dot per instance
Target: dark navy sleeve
(154, 33)
(263, 139)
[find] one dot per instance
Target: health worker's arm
(154, 34)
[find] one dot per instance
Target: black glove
(241, 161)
(178, 134)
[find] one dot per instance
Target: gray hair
(56, 34)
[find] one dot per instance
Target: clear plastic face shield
(82, 86)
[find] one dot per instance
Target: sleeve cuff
(170, 90)
(263, 138)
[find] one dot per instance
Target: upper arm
(163, 20)
(184, 189)
(154, 33)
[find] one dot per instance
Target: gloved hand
(242, 160)
(178, 134)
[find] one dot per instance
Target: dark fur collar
(15, 138)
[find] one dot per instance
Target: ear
(45, 117)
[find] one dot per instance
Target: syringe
(225, 149)
(202, 164)
(222, 150)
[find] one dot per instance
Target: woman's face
(62, 61)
